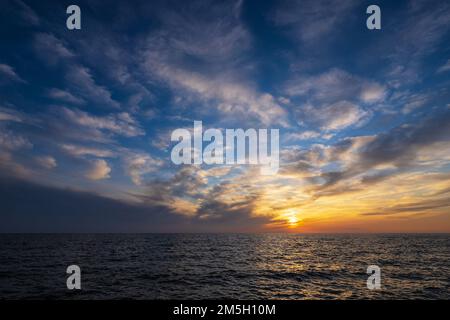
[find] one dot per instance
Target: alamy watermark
(74, 280)
(254, 147)
(374, 279)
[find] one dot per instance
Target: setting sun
(291, 216)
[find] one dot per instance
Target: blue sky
(87, 115)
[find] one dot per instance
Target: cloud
(64, 96)
(228, 199)
(231, 99)
(414, 102)
(208, 30)
(28, 15)
(219, 79)
(28, 207)
(50, 48)
(402, 144)
(12, 144)
(138, 165)
(65, 125)
(189, 192)
(9, 167)
(334, 85)
(399, 149)
(422, 207)
(185, 186)
(333, 100)
(216, 172)
(81, 80)
(335, 116)
(119, 123)
(7, 114)
(445, 67)
(357, 164)
(11, 141)
(312, 20)
(419, 32)
(372, 93)
(426, 24)
(46, 162)
(106, 48)
(84, 151)
(305, 135)
(7, 73)
(99, 170)
(37, 208)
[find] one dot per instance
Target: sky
(86, 115)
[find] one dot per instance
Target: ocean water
(224, 266)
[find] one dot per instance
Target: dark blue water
(216, 266)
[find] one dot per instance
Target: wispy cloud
(84, 151)
(64, 96)
(445, 67)
(335, 85)
(28, 15)
(50, 48)
(8, 74)
(312, 20)
(215, 38)
(118, 124)
(335, 116)
(8, 114)
(82, 81)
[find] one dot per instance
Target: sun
(291, 217)
(293, 220)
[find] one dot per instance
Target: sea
(225, 266)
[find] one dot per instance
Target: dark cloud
(378, 177)
(184, 183)
(29, 207)
(211, 207)
(437, 205)
(227, 205)
(398, 147)
(401, 144)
